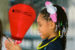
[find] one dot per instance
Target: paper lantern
(21, 17)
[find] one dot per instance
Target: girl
(2, 37)
(52, 26)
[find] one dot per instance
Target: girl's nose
(38, 28)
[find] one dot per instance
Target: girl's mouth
(40, 34)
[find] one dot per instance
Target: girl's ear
(52, 25)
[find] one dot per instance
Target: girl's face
(43, 27)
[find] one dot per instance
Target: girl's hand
(11, 45)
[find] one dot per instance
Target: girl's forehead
(39, 18)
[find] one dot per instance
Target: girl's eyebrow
(38, 22)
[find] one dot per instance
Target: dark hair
(61, 16)
(1, 34)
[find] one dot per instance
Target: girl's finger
(8, 44)
(7, 47)
(11, 41)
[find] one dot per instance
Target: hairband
(52, 10)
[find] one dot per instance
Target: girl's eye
(39, 25)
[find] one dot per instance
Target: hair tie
(63, 8)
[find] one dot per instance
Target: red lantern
(21, 17)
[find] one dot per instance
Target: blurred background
(32, 38)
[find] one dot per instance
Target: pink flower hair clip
(52, 10)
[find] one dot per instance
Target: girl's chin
(43, 37)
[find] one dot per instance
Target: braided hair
(61, 17)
